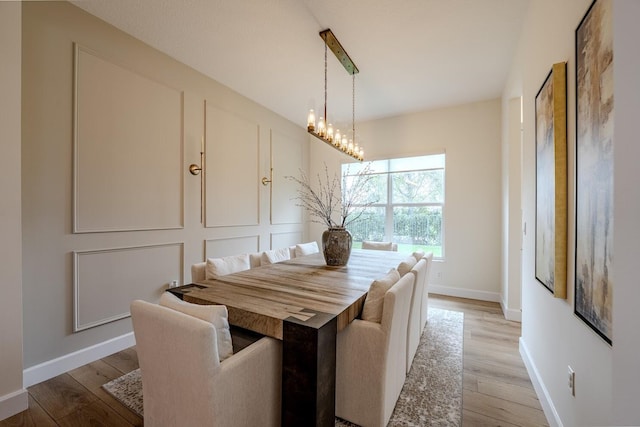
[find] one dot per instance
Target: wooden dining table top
(303, 288)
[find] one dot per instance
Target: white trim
(464, 293)
(62, 364)
(510, 313)
(13, 403)
(78, 255)
(553, 418)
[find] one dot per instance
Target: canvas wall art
(551, 182)
(594, 168)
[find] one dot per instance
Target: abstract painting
(594, 168)
(551, 182)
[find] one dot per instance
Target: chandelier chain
(353, 107)
(325, 82)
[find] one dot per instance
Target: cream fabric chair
(185, 384)
(380, 246)
(274, 256)
(371, 361)
(199, 269)
(414, 331)
(216, 267)
(406, 265)
(302, 249)
(425, 292)
(255, 259)
(198, 272)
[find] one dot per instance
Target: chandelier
(323, 130)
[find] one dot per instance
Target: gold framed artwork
(594, 168)
(551, 182)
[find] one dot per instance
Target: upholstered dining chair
(380, 246)
(214, 267)
(302, 249)
(185, 384)
(415, 328)
(425, 293)
(371, 360)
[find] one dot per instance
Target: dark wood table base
(309, 371)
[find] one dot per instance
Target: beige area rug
(432, 393)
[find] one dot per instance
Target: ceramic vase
(336, 246)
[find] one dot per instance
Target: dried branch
(321, 203)
(357, 195)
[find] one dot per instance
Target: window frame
(390, 205)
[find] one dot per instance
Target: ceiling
(413, 55)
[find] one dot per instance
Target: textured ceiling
(412, 54)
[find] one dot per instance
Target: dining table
(304, 303)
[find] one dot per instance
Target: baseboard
(511, 314)
(553, 418)
(52, 368)
(13, 403)
(465, 293)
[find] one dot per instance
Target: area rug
(432, 393)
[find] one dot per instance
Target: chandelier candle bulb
(321, 127)
(338, 138)
(311, 121)
(344, 144)
(330, 133)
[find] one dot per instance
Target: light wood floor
(497, 390)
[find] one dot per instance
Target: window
(409, 203)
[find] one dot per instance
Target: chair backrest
(198, 272)
(425, 293)
(255, 259)
(274, 256)
(185, 384)
(199, 269)
(380, 246)
(414, 331)
(178, 358)
(302, 249)
(395, 320)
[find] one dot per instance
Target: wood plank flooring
(496, 390)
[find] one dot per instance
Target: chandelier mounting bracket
(337, 49)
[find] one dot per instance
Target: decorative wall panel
(283, 240)
(127, 148)
(232, 169)
(106, 281)
(231, 246)
(286, 160)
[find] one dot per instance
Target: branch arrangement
(325, 198)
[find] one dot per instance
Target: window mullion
(388, 228)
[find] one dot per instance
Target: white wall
(470, 136)
(552, 336)
(626, 294)
(13, 398)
